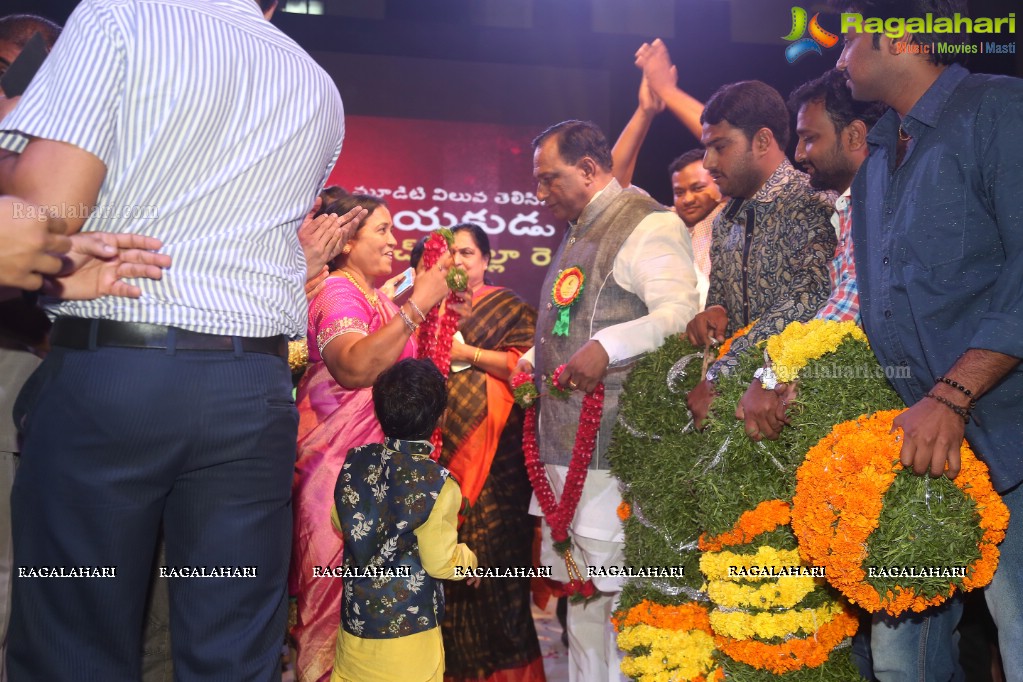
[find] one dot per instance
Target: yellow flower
(801, 342)
(673, 654)
(783, 593)
(767, 560)
(770, 625)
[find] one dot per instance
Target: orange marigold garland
(767, 516)
(792, 654)
(840, 496)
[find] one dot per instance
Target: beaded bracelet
(959, 387)
(476, 356)
(412, 326)
(418, 311)
(961, 411)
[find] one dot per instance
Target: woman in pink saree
(355, 332)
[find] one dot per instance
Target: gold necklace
(373, 299)
(904, 136)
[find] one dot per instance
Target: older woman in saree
(354, 334)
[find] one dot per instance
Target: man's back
(215, 129)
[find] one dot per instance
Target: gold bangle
(476, 357)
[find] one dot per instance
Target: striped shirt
(216, 130)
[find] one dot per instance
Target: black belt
(84, 334)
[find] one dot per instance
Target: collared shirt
(702, 234)
(769, 258)
(844, 303)
(216, 130)
(656, 264)
(939, 248)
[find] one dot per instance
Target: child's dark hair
(409, 399)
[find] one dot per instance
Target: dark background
(537, 62)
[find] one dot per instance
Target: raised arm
(662, 76)
(626, 149)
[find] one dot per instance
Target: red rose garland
(436, 332)
(559, 515)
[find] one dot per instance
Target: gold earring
(347, 250)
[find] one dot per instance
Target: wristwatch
(767, 378)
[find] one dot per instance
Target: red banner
(435, 174)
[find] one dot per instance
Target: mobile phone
(19, 74)
(408, 279)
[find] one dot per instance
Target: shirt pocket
(937, 234)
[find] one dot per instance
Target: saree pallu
(488, 631)
(332, 420)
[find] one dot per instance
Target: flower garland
(676, 642)
(767, 516)
(801, 342)
(672, 654)
(559, 515)
(721, 565)
(792, 654)
(841, 493)
(437, 332)
(772, 625)
(726, 345)
(689, 616)
(779, 594)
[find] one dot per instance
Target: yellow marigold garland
(801, 342)
(773, 625)
(678, 641)
(726, 345)
(839, 495)
(767, 516)
(715, 565)
(783, 593)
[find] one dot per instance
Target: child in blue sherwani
(398, 512)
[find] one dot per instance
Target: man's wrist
(767, 378)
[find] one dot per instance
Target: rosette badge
(568, 287)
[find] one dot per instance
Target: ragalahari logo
(817, 39)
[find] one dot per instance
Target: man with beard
(939, 253)
(772, 241)
(832, 129)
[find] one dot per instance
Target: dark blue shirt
(939, 248)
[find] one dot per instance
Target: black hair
(332, 193)
(906, 9)
(416, 254)
(267, 5)
(842, 109)
(19, 29)
(409, 399)
(691, 156)
(749, 106)
(479, 237)
(345, 204)
(577, 139)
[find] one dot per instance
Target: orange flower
(840, 491)
(727, 344)
(792, 654)
(683, 617)
(624, 511)
(767, 516)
